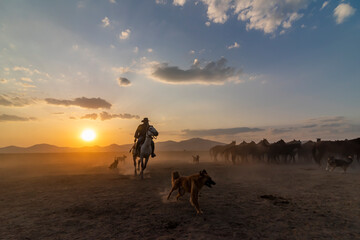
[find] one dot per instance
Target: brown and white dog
(114, 165)
(332, 163)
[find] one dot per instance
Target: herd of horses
(286, 152)
(261, 152)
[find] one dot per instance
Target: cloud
(92, 116)
(25, 79)
(333, 119)
(331, 125)
(216, 11)
(112, 1)
(324, 5)
(328, 119)
(179, 2)
(107, 116)
(212, 73)
(3, 80)
(120, 70)
(14, 118)
(81, 102)
(136, 50)
(160, 1)
(105, 22)
(293, 17)
(191, 52)
(196, 62)
(282, 130)
(22, 69)
(25, 85)
(219, 131)
(15, 101)
(125, 34)
(309, 126)
(235, 45)
(150, 50)
(208, 24)
(123, 82)
(30, 71)
(266, 16)
(5, 102)
(342, 12)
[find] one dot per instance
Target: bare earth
(76, 196)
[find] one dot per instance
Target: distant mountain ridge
(194, 144)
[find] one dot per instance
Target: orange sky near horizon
(62, 134)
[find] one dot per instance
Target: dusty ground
(75, 196)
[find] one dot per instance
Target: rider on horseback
(140, 135)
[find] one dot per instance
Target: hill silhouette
(194, 144)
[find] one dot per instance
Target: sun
(88, 135)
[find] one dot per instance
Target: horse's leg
(134, 158)
(142, 167)
(139, 163)
(146, 161)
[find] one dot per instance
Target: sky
(221, 70)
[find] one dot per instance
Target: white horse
(145, 150)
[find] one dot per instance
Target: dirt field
(76, 196)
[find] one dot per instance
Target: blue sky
(224, 70)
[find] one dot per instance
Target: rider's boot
(153, 154)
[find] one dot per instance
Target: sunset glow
(88, 135)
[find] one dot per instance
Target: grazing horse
(221, 150)
(145, 151)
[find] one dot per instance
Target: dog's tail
(174, 175)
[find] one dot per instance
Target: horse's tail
(174, 175)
